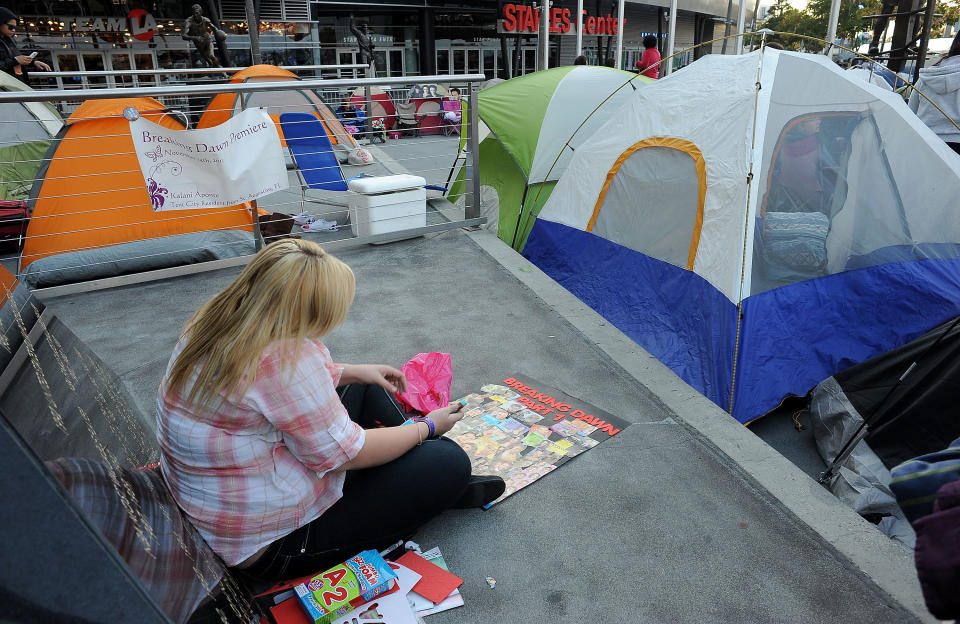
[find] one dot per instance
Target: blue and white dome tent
(759, 223)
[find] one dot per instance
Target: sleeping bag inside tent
(759, 223)
(92, 214)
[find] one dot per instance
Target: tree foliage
(949, 13)
(812, 21)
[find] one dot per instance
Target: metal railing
(76, 192)
(198, 71)
(123, 78)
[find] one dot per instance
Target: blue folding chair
(312, 152)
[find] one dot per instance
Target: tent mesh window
(651, 204)
(806, 185)
(839, 187)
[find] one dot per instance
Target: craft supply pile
(399, 585)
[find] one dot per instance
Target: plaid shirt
(257, 467)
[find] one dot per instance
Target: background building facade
(411, 36)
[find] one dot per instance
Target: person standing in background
(649, 63)
(941, 83)
(11, 61)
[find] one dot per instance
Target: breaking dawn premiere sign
(235, 162)
(519, 19)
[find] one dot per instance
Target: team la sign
(142, 25)
(521, 18)
(139, 23)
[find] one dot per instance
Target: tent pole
(746, 228)
(672, 34)
(859, 434)
(621, 22)
(516, 230)
(579, 27)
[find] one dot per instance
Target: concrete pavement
(685, 516)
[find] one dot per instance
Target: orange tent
(225, 105)
(90, 192)
(7, 284)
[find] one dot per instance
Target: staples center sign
(519, 19)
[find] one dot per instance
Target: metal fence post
(257, 235)
(472, 208)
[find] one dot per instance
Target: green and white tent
(25, 133)
(530, 127)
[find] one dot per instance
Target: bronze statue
(197, 29)
(364, 40)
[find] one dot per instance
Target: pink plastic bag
(429, 377)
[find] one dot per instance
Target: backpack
(14, 217)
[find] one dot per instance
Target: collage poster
(521, 429)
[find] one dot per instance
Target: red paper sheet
(288, 612)
(436, 583)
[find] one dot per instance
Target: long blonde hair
(291, 290)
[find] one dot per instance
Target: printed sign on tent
(235, 162)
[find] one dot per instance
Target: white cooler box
(384, 204)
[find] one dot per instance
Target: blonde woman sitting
(285, 461)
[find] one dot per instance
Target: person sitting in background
(11, 61)
(452, 114)
(941, 83)
(347, 112)
(580, 60)
(352, 116)
(649, 63)
(285, 461)
(610, 62)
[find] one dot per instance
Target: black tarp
(58, 399)
(54, 566)
(921, 416)
(59, 396)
